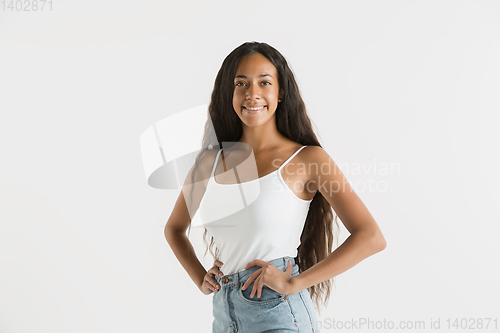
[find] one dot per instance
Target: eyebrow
(245, 77)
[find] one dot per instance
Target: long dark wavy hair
(293, 122)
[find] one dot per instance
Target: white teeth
(254, 109)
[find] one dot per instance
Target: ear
(280, 95)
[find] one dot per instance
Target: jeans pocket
(268, 296)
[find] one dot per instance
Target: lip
(254, 111)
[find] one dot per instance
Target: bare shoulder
(315, 155)
(202, 168)
(319, 165)
(312, 152)
(191, 193)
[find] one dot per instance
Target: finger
(210, 277)
(212, 284)
(252, 277)
(256, 288)
(289, 267)
(215, 286)
(215, 271)
(218, 263)
(256, 262)
(216, 267)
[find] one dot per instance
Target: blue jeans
(235, 311)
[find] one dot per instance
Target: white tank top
(259, 219)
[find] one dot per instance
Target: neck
(262, 137)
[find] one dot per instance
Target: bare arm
(366, 237)
(175, 234)
(180, 219)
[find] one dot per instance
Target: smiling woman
(256, 90)
(273, 228)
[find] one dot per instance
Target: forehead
(254, 65)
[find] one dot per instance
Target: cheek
(236, 104)
(236, 96)
(238, 99)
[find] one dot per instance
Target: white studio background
(412, 85)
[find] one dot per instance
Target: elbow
(378, 242)
(172, 233)
(373, 241)
(166, 233)
(169, 233)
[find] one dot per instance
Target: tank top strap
(281, 166)
(215, 163)
(288, 160)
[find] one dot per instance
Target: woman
(275, 247)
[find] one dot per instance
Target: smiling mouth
(254, 110)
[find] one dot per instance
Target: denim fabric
(235, 311)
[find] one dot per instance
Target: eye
(267, 82)
(238, 83)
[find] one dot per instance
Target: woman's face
(255, 87)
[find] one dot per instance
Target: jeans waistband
(240, 277)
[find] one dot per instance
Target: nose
(253, 91)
